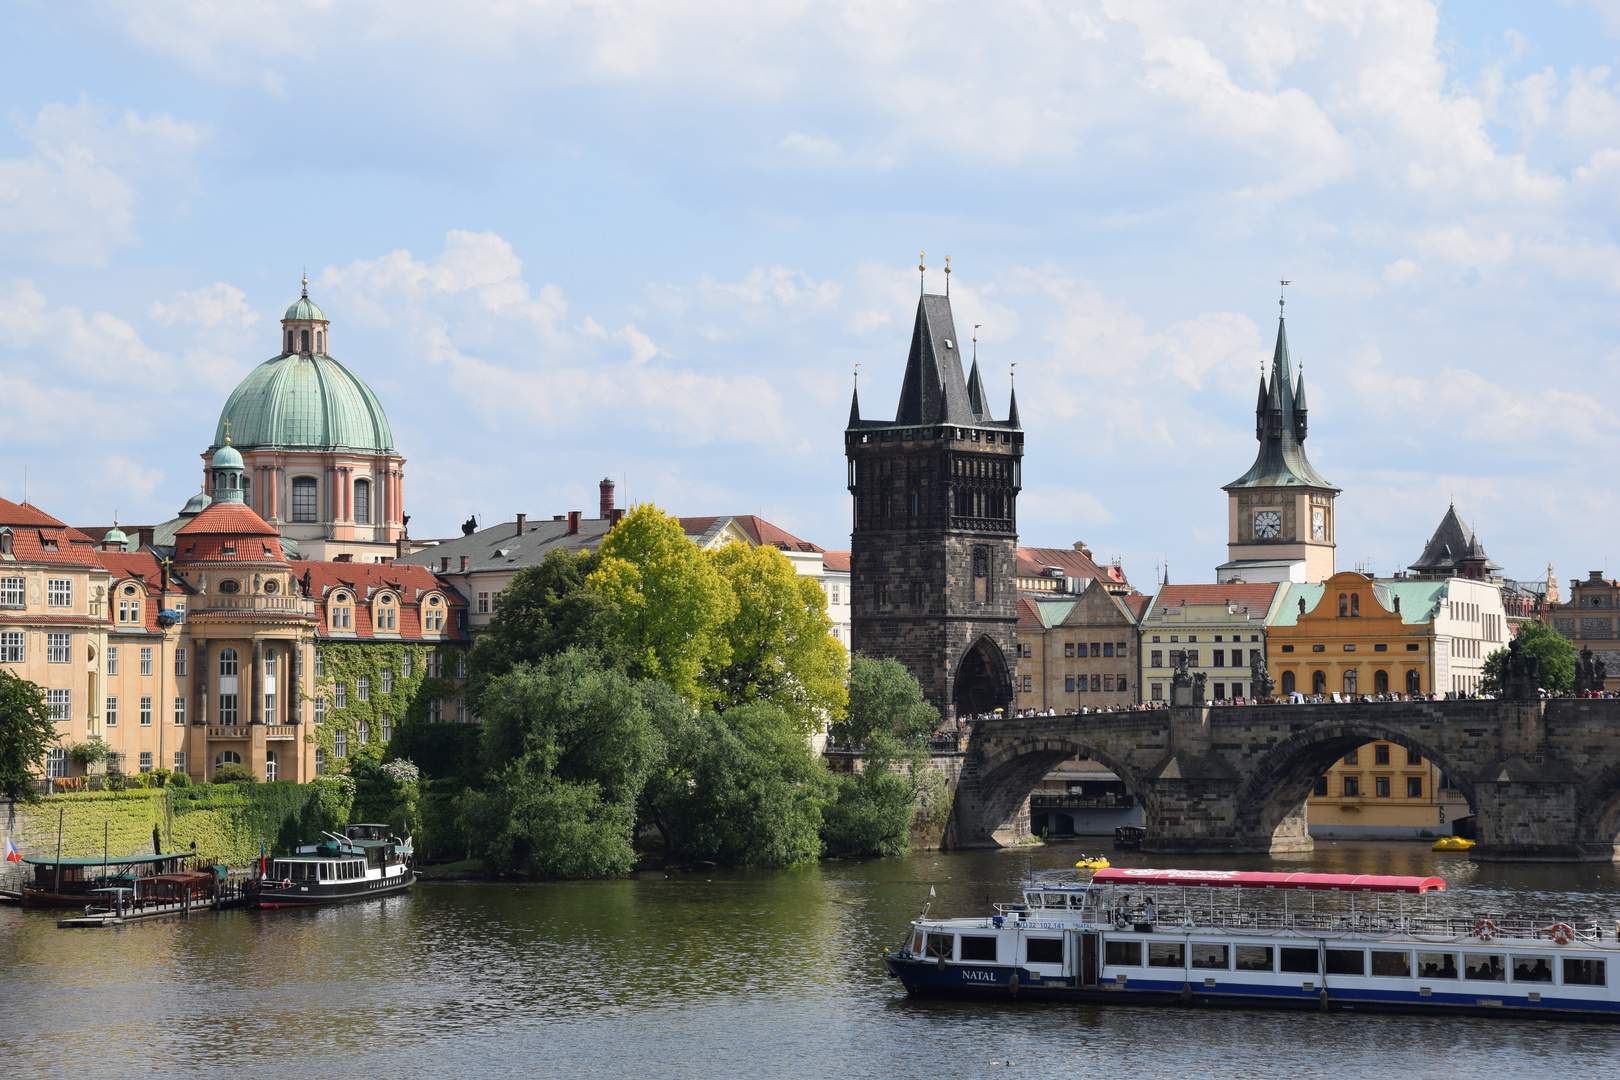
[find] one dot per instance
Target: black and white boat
(1342, 942)
(367, 860)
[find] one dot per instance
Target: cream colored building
(1219, 629)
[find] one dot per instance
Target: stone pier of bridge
(1543, 777)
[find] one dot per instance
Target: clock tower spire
(1280, 512)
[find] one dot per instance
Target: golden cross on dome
(227, 432)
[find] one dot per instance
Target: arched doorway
(1414, 682)
(1319, 683)
(983, 683)
(1287, 682)
(1380, 682)
(270, 764)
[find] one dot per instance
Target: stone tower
(1280, 512)
(935, 534)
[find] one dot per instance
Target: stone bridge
(1543, 778)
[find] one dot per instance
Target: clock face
(1318, 525)
(1267, 524)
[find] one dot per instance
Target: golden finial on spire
(227, 432)
(922, 269)
(947, 275)
(115, 517)
(305, 282)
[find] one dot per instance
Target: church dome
(304, 400)
(226, 457)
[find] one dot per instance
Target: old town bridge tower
(935, 531)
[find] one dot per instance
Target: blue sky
(652, 241)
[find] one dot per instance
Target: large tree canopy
(27, 732)
(669, 599)
(779, 640)
(884, 698)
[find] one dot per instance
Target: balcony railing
(280, 731)
(239, 731)
(1081, 802)
(296, 605)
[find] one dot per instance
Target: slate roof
(500, 548)
(1280, 427)
(1452, 544)
(934, 390)
(1255, 598)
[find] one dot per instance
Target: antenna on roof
(947, 275)
(922, 270)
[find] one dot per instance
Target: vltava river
(718, 974)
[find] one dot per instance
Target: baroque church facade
(934, 538)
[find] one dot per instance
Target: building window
(59, 648)
(179, 711)
(1217, 658)
(1156, 658)
(1220, 691)
(1413, 757)
(61, 702)
(320, 664)
(227, 663)
(270, 766)
(340, 696)
(433, 618)
(342, 617)
(129, 611)
(1319, 683)
(1414, 787)
(111, 714)
(483, 603)
(386, 617)
(1096, 684)
(363, 732)
(227, 710)
(180, 661)
(320, 710)
(304, 500)
(56, 763)
(1068, 684)
(1381, 787)
(11, 592)
(340, 744)
(11, 647)
(1381, 754)
(1321, 786)
(362, 502)
(1287, 682)
(1414, 682)
(145, 761)
(1108, 648)
(303, 341)
(179, 761)
(1108, 683)
(1352, 787)
(386, 728)
(405, 666)
(362, 689)
(227, 757)
(1192, 658)
(1350, 682)
(146, 659)
(431, 668)
(320, 761)
(461, 711)
(461, 665)
(1353, 757)
(1355, 605)
(269, 708)
(388, 680)
(1156, 693)
(59, 592)
(146, 712)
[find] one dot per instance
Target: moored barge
(365, 861)
(1252, 940)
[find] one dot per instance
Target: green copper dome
(304, 401)
(226, 457)
(305, 308)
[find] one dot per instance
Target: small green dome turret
(226, 465)
(226, 456)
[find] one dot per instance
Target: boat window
(1299, 961)
(1164, 954)
(917, 942)
(1208, 955)
(1532, 969)
(1048, 951)
(979, 948)
(1346, 962)
(326, 871)
(1056, 900)
(1435, 965)
(1484, 967)
(939, 945)
(1128, 953)
(1392, 965)
(1255, 958)
(1582, 972)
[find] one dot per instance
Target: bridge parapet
(1543, 777)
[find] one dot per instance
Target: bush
(91, 752)
(232, 773)
(180, 779)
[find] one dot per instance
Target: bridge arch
(1271, 800)
(1597, 827)
(1008, 775)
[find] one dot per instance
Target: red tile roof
(22, 514)
(1029, 615)
(366, 580)
(758, 530)
(227, 519)
(1137, 605)
(835, 560)
(1033, 561)
(1256, 597)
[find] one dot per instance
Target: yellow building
(1384, 791)
(1351, 636)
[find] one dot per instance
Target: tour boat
(1264, 940)
(365, 861)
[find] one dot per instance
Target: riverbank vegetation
(656, 695)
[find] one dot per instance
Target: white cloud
(213, 305)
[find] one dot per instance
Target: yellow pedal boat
(1087, 863)
(1452, 843)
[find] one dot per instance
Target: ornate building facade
(934, 541)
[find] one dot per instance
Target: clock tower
(1280, 513)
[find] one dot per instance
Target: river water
(713, 974)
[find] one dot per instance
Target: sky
(652, 241)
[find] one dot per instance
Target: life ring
(286, 883)
(1485, 930)
(1562, 933)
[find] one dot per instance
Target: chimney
(606, 511)
(523, 524)
(444, 564)
(618, 515)
(573, 521)
(464, 561)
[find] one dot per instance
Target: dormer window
(386, 616)
(433, 616)
(342, 612)
(229, 547)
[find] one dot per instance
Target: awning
(1240, 879)
(111, 860)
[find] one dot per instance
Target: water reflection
(721, 974)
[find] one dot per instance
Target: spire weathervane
(305, 282)
(947, 275)
(976, 340)
(1281, 285)
(922, 271)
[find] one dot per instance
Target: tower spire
(855, 399)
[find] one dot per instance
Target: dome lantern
(304, 328)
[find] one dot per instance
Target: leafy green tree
(27, 732)
(671, 602)
(779, 639)
(1554, 654)
(884, 698)
(743, 788)
(872, 812)
(545, 610)
(567, 747)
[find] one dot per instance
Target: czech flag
(12, 854)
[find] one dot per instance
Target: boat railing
(1481, 926)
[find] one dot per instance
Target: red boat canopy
(1236, 879)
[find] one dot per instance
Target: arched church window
(303, 341)
(303, 498)
(1319, 683)
(362, 502)
(1287, 682)
(1355, 605)
(1344, 605)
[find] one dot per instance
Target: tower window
(303, 341)
(320, 341)
(289, 341)
(303, 498)
(362, 502)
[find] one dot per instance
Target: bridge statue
(1186, 687)
(1521, 674)
(1261, 685)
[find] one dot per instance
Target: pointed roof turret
(934, 390)
(1279, 424)
(1454, 551)
(975, 390)
(1012, 410)
(855, 407)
